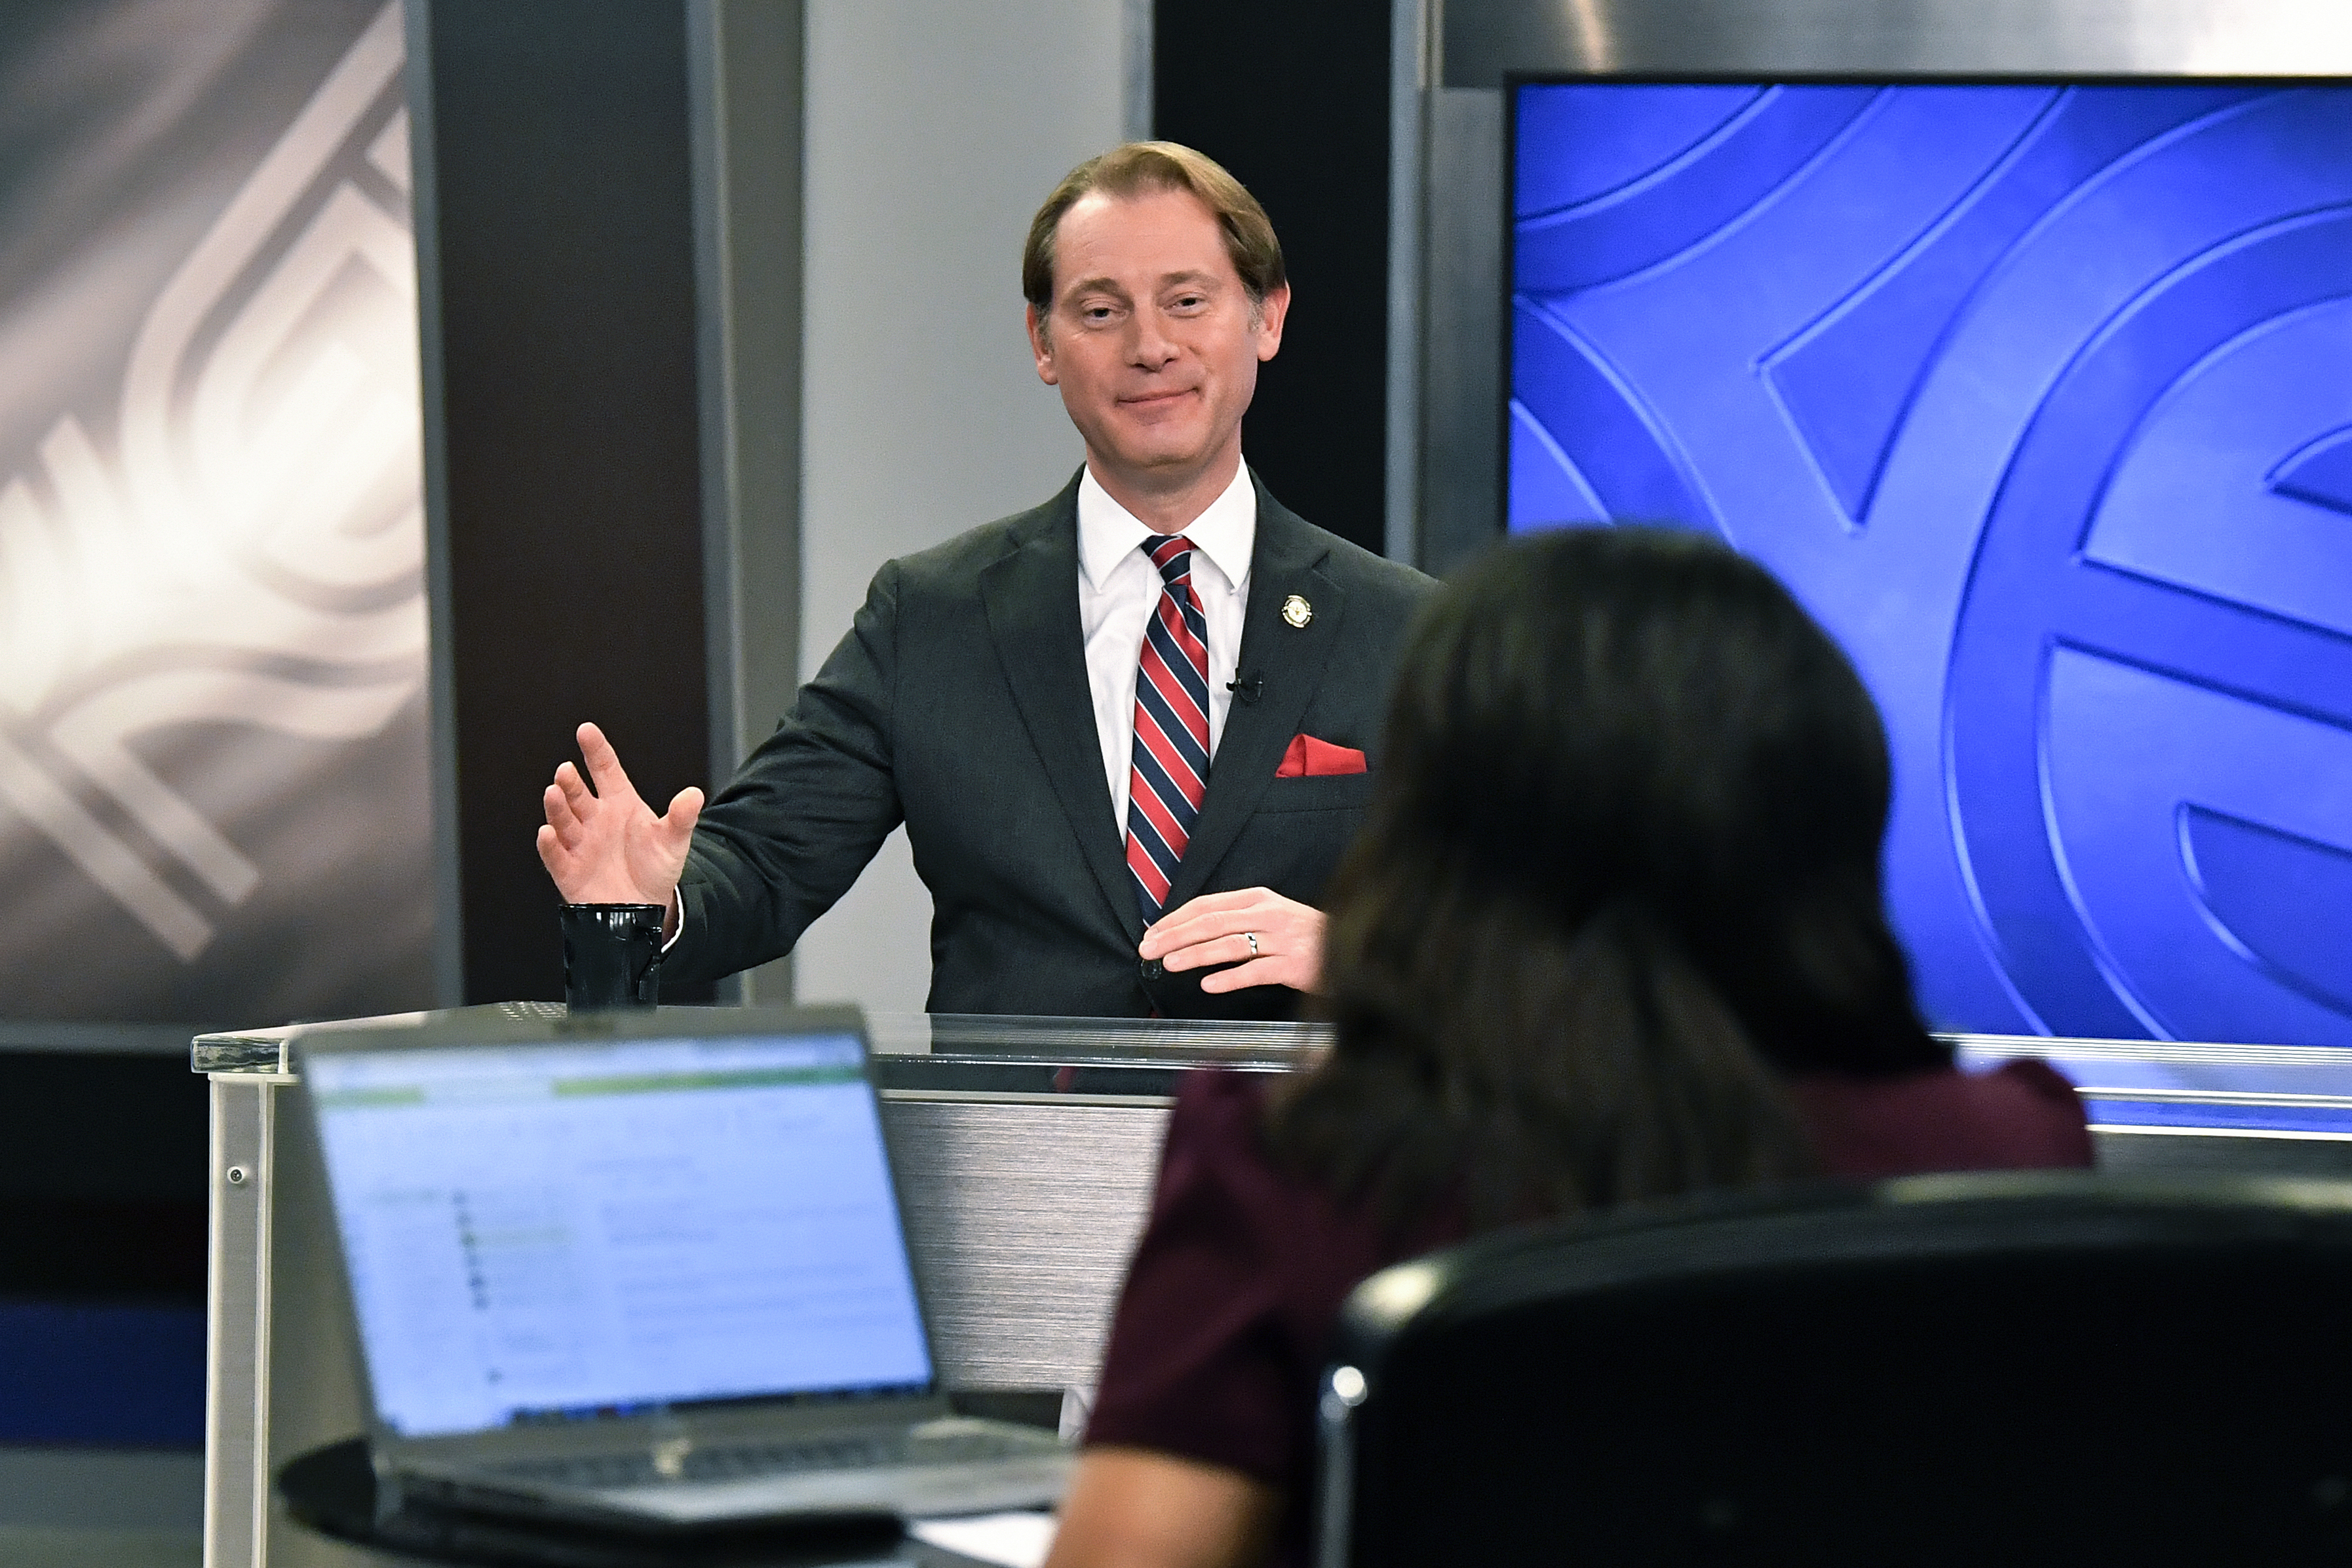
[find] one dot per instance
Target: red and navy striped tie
(1171, 772)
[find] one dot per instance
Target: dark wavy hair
(1618, 880)
(1130, 170)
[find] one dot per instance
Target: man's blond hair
(1130, 170)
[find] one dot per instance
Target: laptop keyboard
(748, 1461)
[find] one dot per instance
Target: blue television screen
(2040, 398)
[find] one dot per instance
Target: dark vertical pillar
(559, 292)
(1293, 97)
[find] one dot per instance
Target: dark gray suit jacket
(959, 705)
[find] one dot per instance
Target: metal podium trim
(243, 1150)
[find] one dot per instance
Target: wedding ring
(1251, 937)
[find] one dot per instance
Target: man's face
(1152, 339)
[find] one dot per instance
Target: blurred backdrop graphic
(213, 764)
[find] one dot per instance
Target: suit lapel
(1031, 597)
(1285, 561)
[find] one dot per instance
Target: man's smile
(1155, 399)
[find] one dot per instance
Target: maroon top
(1223, 1324)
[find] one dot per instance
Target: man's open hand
(608, 847)
(1217, 928)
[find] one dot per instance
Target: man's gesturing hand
(1216, 929)
(608, 847)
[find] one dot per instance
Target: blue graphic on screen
(2040, 399)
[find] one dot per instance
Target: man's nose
(1152, 348)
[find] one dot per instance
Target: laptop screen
(549, 1232)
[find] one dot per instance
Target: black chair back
(1984, 1369)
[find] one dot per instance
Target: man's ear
(1270, 314)
(1041, 345)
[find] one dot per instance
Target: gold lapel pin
(1297, 612)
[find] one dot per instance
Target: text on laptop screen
(545, 1231)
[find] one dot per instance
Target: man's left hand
(1219, 928)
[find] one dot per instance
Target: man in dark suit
(1129, 732)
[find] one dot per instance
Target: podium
(1026, 1150)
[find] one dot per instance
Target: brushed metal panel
(1021, 1218)
(1199, 1041)
(1484, 39)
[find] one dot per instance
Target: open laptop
(644, 1270)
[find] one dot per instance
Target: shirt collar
(1226, 532)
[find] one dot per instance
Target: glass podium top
(2291, 1092)
(906, 1045)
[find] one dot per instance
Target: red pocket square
(1308, 757)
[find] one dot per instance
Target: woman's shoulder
(1229, 1293)
(2020, 1116)
(1216, 1151)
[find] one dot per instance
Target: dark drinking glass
(611, 956)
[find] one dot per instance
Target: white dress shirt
(1118, 589)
